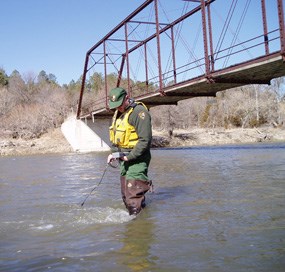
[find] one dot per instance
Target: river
(213, 209)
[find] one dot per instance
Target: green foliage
(15, 74)
(95, 82)
(3, 78)
(43, 77)
(73, 87)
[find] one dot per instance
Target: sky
(54, 35)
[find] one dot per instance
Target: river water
(213, 209)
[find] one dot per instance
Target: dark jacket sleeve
(140, 118)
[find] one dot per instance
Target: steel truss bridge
(162, 54)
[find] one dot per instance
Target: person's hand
(110, 159)
(124, 158)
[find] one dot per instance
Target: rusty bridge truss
(162, 54)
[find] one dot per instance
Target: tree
(3, 78)
(18, 88)
(96, 82)
(43, 77)
(52, 78)
(278, 86)
(111, 80)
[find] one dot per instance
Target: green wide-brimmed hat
(116, 97)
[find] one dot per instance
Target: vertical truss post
(82, 86)
(281, 27)
(265, 31)
(158, 47)
(211, 37)
(105, 74)
(173, 55)
(127, 58)
(121, 70)
(206, 55)
(146, 66)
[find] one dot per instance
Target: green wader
(135, 183)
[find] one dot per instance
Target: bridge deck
(257, 71)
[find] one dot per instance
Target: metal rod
(173, 55)
(265, 31)
(146, 66)
(158, 47)
(105, 75)
(82, 87)
(281, 27)
(211, 38)
(95, 186)
(121, 70)
(206, 55)
(127, 58)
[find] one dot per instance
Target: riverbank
(54, 141)
(220, 136)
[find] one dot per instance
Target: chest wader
(134, 179)
(133, 194)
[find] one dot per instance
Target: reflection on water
(135, 253)
(213, 209)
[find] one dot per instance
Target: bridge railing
(149, 51)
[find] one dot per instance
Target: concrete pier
(86, 136)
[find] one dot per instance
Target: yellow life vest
(122, 134)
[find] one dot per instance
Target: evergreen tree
(4, 80)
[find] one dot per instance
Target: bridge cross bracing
(166, 51)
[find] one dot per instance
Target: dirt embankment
(220, 136)
(51, 142)
(54, 141)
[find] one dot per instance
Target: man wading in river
(131, 134)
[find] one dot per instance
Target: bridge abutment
(86, 136)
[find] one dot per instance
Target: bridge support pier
(86, 136)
